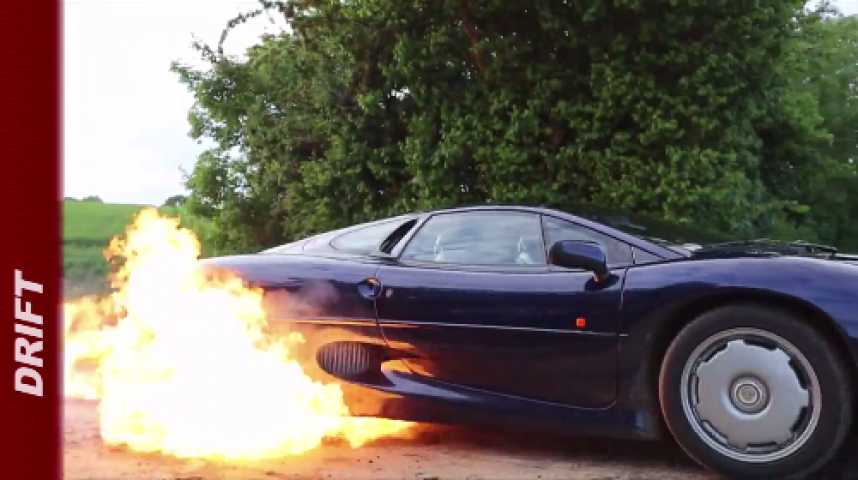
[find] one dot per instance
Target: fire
(181, 362)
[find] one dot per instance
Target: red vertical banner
(30, 273)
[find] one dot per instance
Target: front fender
(827, 287)
(658, 299)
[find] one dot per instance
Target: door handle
(369, 288)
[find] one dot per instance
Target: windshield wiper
(765, 246)
(816, 248)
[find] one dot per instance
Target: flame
(181, 363)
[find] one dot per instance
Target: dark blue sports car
(516, 316)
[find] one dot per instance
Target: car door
(472, 301)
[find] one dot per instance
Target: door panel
(512, 332)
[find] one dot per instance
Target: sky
(125, 113)
(126, 130)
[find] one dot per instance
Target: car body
(437, 332)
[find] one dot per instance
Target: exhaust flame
(181, 363)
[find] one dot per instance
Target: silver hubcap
(751, 395)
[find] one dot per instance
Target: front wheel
(754, 392)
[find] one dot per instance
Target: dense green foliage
(737, 115)
(811, 150)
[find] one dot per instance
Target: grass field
(87, 229)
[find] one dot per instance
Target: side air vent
(349, 359)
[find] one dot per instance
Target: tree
(813, 157)
(175, 201)
(369, 108)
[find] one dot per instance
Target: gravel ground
(435, 453)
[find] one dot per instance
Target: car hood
(850, 259)
(771, 248)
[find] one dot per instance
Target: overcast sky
(126, 130)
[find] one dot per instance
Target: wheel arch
(676, 317)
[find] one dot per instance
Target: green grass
(87, 229)
(95, 221)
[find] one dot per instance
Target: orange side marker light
(581, 322)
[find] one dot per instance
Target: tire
(754, 392)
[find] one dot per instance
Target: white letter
(26, 314)
(26, 372)
(21, 284)
(27, 330)
(24, 351)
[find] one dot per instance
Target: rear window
(396, 236)
(365, 240)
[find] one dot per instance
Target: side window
(364, 240)
(642, 257)
(619, 253)
(478, 238)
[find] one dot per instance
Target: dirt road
(439, 453)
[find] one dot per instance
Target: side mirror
(580, 254)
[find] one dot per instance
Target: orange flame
(181, 363)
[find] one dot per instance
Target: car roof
(324, 239)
